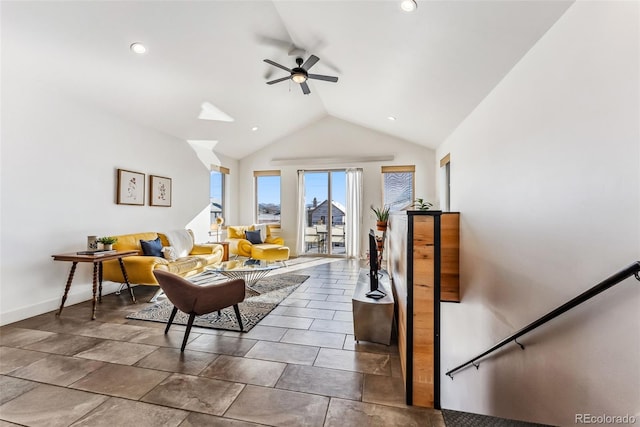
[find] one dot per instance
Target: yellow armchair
(240, 246)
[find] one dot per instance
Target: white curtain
(353, 220)
(301, 214)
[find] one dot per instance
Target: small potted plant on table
(422, 205)
(107, 242)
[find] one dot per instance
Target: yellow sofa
(272, 249)
(140, 267)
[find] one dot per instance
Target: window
(325, 211)
(216, 192)
(445, 183)
(267, 197)
(398, 186)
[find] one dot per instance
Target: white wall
(59, 161)
(546, 174)
(332, 137)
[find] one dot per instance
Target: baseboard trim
(81, 295)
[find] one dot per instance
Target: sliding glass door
(325, 212)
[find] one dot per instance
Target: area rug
(272, 290)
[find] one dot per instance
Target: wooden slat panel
(419, 283)
(450, 257)
(423, 395)
(423, 367)
(423, 310)
(423, 267)
(423, 232)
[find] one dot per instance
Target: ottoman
(267, 252)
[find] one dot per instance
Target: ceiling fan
(300, 74)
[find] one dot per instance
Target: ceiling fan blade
(278, 80)
(275, 64)
(318, 46)
(321, 77)
(305, 88)
(290, 47)
(296, 50)
(310, 62)
(280, 43)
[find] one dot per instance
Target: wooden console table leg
(100, 282)
(126, 279)
(95, 289)
(66, 289)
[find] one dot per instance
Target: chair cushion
(181, 266)
(181, 240)
(253, 236)
(267, 252)
(263, 229)
(151, 247)
(237, 231)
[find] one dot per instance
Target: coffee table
(251, 271)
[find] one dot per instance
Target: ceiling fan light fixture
(408, 5)
(299, 77)
(300, 74)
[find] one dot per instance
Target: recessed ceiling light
(408, 5)
(393, 119)
(255, 128)
(138, 48)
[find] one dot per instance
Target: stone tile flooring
(299, 367)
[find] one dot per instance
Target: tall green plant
(382, 214)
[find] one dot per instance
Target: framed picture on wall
(160, 194)
(130, 188)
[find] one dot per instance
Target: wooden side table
(225, 248)
(97, 261)
(225, 254)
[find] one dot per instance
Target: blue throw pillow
(151, 247)
(253, 236)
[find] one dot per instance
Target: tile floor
(299, 367)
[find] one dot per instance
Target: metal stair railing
(631, 270)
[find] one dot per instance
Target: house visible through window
(398, 186)
(267, 196)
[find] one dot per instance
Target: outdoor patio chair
(337, 235)
(310, 237)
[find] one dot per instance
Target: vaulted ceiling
(429, 69)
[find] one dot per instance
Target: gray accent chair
(197, 300)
